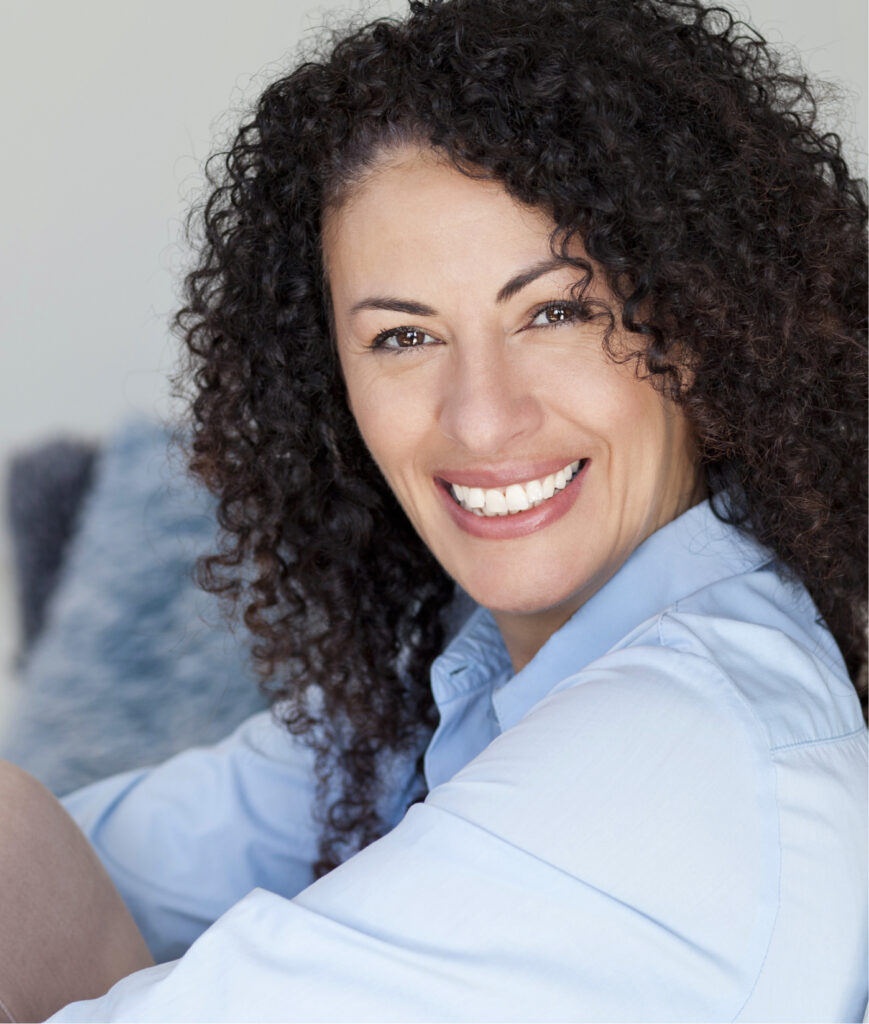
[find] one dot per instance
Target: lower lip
(519, 524)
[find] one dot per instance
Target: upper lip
(504, 474)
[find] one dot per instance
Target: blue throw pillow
(134, 662)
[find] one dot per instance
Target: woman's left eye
(555, 313)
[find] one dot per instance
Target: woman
(559, 303)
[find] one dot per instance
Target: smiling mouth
(488, 502)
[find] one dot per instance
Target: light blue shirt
(662, 817)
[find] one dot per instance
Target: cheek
(390, 420)
(643, 415)
(629, 420)
(605, 398)
(654, 439)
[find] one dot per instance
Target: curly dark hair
(686, 155)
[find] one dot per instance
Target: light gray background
(107, 109)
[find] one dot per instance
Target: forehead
(416, 218)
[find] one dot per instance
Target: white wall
(831, 37)
(107, 109)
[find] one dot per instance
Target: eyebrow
(396, 305)
(511, 288)
(525, 277)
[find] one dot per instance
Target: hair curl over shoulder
(675, 143)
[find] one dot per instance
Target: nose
(487, 401)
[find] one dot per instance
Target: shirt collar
(688, 554)
(476, 656)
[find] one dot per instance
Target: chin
(526, 600)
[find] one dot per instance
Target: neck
(524, 635)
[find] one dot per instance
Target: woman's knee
(65, 933)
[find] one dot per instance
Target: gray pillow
(46, 485)
(134, 662)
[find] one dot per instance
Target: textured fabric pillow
(45, 488)
(134, 662)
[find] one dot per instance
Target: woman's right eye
(398, 338)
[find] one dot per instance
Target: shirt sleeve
(186, 840)
(613, 856)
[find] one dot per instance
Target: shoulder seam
(721, 675)
(820, 741)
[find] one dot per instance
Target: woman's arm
(614, 856)
(187, 839)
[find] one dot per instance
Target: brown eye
(408, 337)
(402, 338)
(554, 314)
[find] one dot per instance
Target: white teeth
(534, 489)
(517, 499)
(494, 501)
(475, 498)
(496, 504)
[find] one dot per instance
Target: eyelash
(575, 311)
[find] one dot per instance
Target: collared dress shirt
(662, 817)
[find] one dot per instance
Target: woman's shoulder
(756, 640)
(705, 708)
(706, 617)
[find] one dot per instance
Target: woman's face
(530, 463)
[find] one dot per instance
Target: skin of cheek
(391, 424)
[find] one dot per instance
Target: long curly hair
(687, 157)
